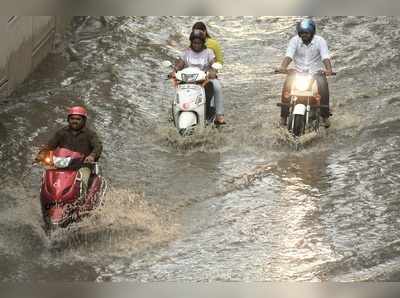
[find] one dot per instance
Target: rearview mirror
(166, 63)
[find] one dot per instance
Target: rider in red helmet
(77, 137)
(77, 111)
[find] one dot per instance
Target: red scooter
(61, 194)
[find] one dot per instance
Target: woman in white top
(198, 55)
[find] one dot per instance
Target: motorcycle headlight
(302, 83)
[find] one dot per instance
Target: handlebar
(75, 164)
(281, 104)
(291, 70)
(283, 71)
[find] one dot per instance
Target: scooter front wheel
(186, 131)
(298, 125)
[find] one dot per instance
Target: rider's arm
(285, 63)
(54, 141)
(324, 52)
(96, 145)
(52, 144)
(179, 65)
(291, 49)
(290, 52)
(328, 65)
(212, 73)
(210, 58)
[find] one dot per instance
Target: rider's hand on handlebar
(41, 155)
(37, 159)
(89, 159)
(171, 74)
(211, 74)
(329, 72)
(280, 70)
(284, 70)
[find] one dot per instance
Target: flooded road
(233, 204)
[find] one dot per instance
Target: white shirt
(202, 60)
(308, 57)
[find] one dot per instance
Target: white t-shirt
(308, 57)
(202, 60)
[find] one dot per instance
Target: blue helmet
(306, 25)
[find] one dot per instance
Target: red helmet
(78, 111)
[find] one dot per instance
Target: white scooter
(190, 108)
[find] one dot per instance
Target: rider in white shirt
(308, 58)
(309, 53)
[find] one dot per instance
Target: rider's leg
(209, 89)
(285, 99)
(219, 100)
(323, 89)
(85, 175)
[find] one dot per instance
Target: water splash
(202, 139)
(126, 223)
(282, 136)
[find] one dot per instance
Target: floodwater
(235, 204)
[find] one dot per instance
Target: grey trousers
(218, 97)
(85, 175)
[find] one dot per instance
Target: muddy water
(231, 204)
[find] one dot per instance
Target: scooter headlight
(192, 77)
(61, 162)
(302, 83)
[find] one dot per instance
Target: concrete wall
(26, 41)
